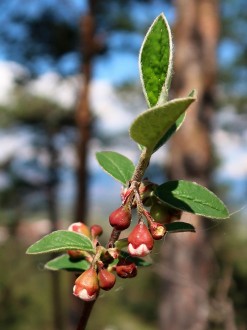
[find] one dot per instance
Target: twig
(86, 311)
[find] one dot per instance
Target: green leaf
(150, 127)
(174, 127)
(170, 132)
(179, 226)
(64, 262)
(117, 165)
(193, 198)
(138, 261)
(155, 61)
(61, 240)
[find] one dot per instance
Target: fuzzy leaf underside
(155, 61)
(170, 132)
(61, 240)
(179, 226)
(193, 198)
(118, 166)
(150, 127)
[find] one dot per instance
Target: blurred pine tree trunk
(186, 261)
(83, 114)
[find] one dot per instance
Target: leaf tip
(193, 94)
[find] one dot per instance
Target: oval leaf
(151, 126)
(117, 165)
(170, 132)
(155, 61)
(193, 198)
(64, 262)
(179, 226)
(61, 240)
(173, 129)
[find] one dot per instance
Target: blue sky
(120, 66)
(117, 66)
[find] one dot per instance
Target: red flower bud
(80, 228)
(96, 231)
(157, 230)
(126, 269)
(87, 286)
(106, 279)
(140, 241)
(120, 218)
(75, 254)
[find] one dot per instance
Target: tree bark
(186, 257)
(83, 117)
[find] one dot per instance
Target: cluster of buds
(100, 274)
(141, 239)
(88, 284)
(139, 242)
(93, 233)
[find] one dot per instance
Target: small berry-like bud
(126, 269)
(80, 228)
(157, 230)
(140, 241)
(106, 279)
(86, 285)
(120, 218)
(75, 254)
(96, 231)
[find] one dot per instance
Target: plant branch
(142, 165)
(137, 176)
(114, 237)
(85, 314)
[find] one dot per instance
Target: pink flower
(140, 241)
(86, 285)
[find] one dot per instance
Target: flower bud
(80, 228)
(120, 218)
(106, 279)
(157, 230)
(86, 285)
(126, 269)
(75, 254)
(140, 241)
(96, 231)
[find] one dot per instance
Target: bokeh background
(69, 86)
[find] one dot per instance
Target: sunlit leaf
(150, 127)
(155, 61)
(61, 240)
(193, 198)
(117, 165)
